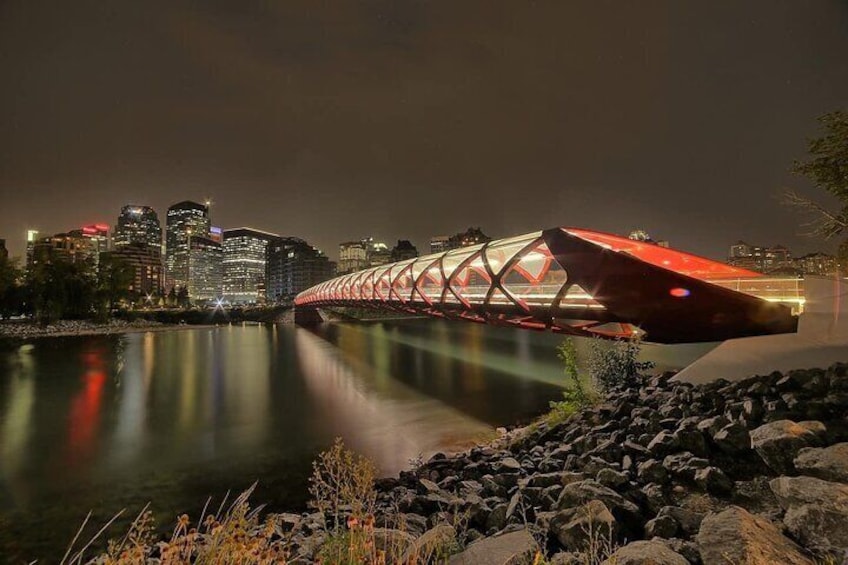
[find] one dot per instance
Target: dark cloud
(335, 120)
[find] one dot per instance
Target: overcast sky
(337, 120)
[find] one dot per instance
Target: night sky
(337, 120)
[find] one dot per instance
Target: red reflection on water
(85, 408)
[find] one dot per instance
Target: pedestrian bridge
(577, 282)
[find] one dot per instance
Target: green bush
(614, 364)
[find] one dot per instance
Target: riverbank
(17, 330)
(754, 471)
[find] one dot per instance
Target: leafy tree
(171, 300)
(114, 278)
(182, 297)
(59, 288)
(11, 291)
(827, 168)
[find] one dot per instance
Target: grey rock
(794, 491)
(688, 521)
(663, 444)
(823, 530)
(714, 481)
(830, 463)
(778, 443)
(515, 548)
(733, 438)
(611, 478)
(736, 536)
(663, 526)
(497, 518)
(577, 494)
(652, 552)
(572, 526)
(652, 471)
(435, 542)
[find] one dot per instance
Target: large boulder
(579, 493)
(829, 463)
(514, 548)
(574, 526)
(652, 552)
(778, 443)
(816, 512)
(435, 543)
(738, 537)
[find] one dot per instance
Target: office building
(759, 258)
(439, 244)
(31, 238)
(72, 247)
(293, 266)
(185, 221)
(817, 264)
(245, 258)
(642, 235)
(403, 250)
(146, 263)
(205, 269)
(353, 256)
(376, 252)
(138, 225)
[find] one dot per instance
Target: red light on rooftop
(89, 229)
(102, 227)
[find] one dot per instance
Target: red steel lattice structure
(567, 280)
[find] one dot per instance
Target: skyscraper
(205, 273)
(185, 221)
(293, 266)
(244, 264)
(353, 256)
(138, 225)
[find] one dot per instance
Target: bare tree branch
(824, 223)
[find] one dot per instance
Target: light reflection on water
(107, 422)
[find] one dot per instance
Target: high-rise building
(146, 263)
(642, 235)
(353, 256)
(817, 264)
(403, 250)
(293, 266)
(758, 258)
(31, 238)
(72, 247)
(245, 257)
(376, 252)
(185, 221)
(439, 244)
(205, 269)
(138, 225)
(471, 236)
(98, 235)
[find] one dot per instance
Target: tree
(11, 292)
(114, 278)
(183, 298)
(827, 168)
(59, 288)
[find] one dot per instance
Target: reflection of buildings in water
(391, 426)
(135, 376)
(84, 415)
(16, 415)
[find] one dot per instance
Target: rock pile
(22, 330)
(670, 473)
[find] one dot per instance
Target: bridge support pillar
(307, 316)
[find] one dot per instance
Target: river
(103, 423)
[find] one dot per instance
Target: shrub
(342, 483)
(615, 364)
(578, 393)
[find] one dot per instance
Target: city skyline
(411, 121)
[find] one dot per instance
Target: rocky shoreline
(25, 330)
(747, 472)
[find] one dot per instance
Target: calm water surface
(103, 423)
